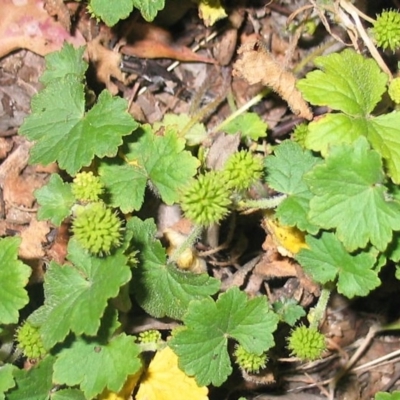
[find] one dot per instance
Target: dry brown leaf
(256, 65)
(221, 149)
(272, 264)
(150, 41)
(27, 25)
(33, 238)
(107, 63)
(58, 250)
(57, 8)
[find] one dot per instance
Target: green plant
(29, 341)
(336, 182)
(306, 343)
(250, 362)
(386, 30)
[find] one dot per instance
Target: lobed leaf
(249, 125)
(347, 82)
(327, 260)
(111, 12)
(202, 345)
(95, 365)
(55, 200)
(159, 161)
(285, 173)
(161, 289)
(149, 8)
(6, 379)
(35, 383)
(76, 295)
(350, 197)
(14, 276)
(67, 61)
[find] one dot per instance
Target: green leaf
(388, 396)
(327, 260)
(6, 379)
(125, 184)
(111, 11)
(288, 310)
(76, 295)
(383, 133)
(159, 288)
(66, 61)
(202, 345)
(159, 160)
(62, 132)
(68, 394)
(149, 8)
(33, 384)
(285, 171)
(14, 276)
(350, 197)
(355, 86)
(178, 123)
(55, 200)
(347, 82)
(250, 125)
(95, 365)
(334, 129)
(168, 166)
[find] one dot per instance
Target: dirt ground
(178, 65)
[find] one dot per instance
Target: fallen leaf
(211, 11)
(288, 239)
(125, 392)
(150, 41)
(107, 63)
(256, 65)
(33, 238)
(27, 25)
(272, 264)
(57, 8)
(163, 380)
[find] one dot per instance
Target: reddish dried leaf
(27, 25)
(150, 41)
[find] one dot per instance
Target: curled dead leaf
(256, 65)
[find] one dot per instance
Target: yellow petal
(163, 380)
(288, 239)
(125, 392)
(210, 11)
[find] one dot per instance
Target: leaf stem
(188, 242)
(267, 203)
(243, 109)
(320, 308)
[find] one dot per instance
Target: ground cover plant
(263, 235)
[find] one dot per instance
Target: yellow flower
(163, 380)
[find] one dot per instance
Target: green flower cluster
(97, 228)
(249, 362)
(242, 169)
(306, 343)
(299, 134)
(149, 336)
(86, 187)
(386, 30)
(30, 342)
(394, 90)
(208, 198)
